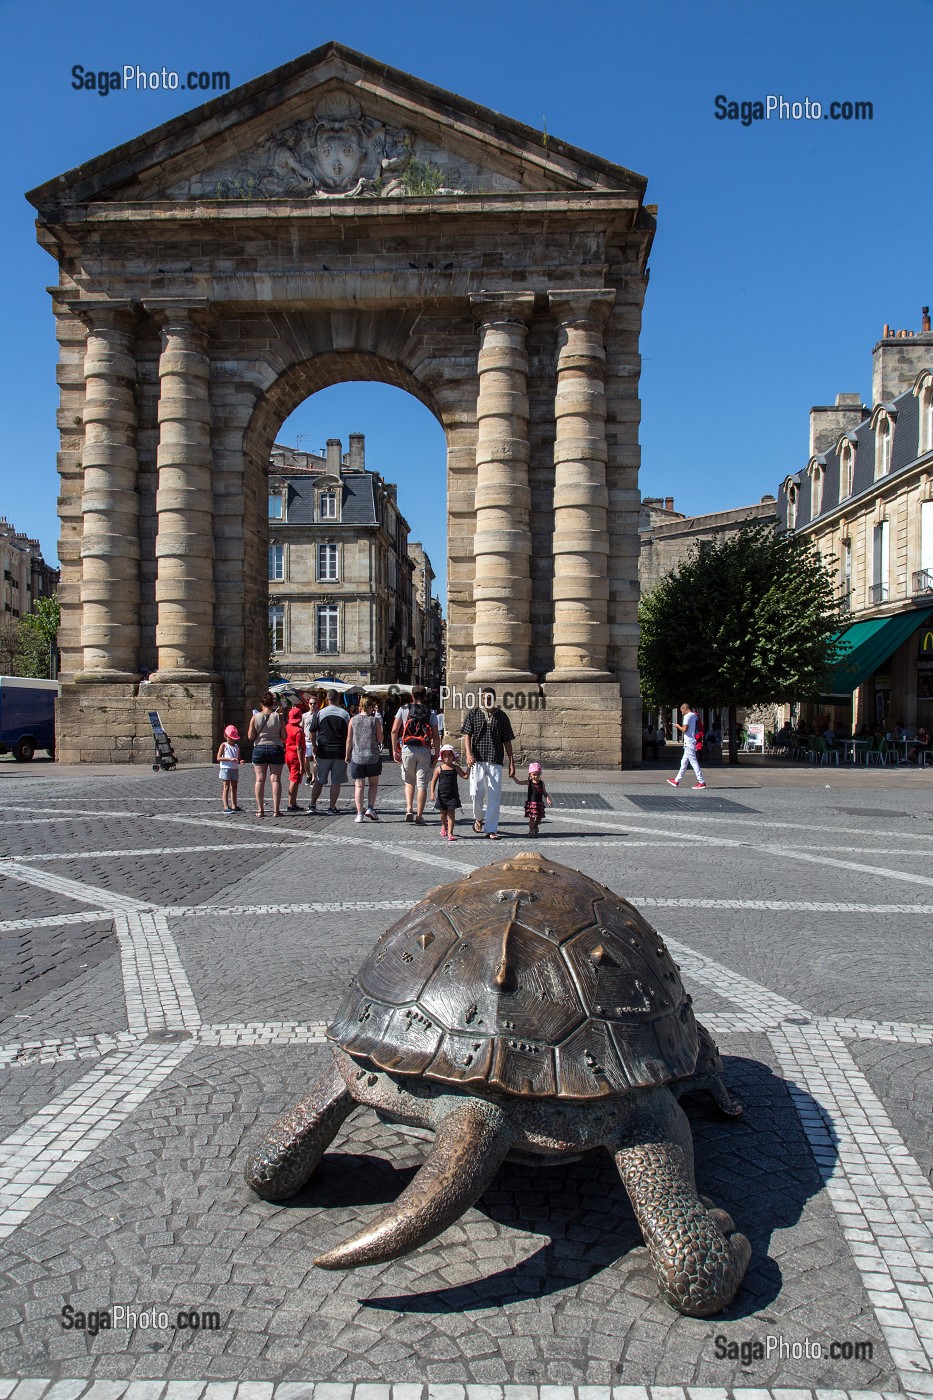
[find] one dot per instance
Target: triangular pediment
(330, 125)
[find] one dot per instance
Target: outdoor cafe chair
(878, 753)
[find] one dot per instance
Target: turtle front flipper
(284, 1160)
(698, 1260)
(470, 1144)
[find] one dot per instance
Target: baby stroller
(164, 753)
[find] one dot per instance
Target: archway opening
(356, 522)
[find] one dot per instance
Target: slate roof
(358, 500)
(904, 452)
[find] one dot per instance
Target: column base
(107, 678)
(580, 673)
(501, 675)
(183, 677)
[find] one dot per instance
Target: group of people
(323, 742)
(789, 737)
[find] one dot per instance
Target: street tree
(36, 642)
(746, 619)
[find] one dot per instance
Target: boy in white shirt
(689, 730)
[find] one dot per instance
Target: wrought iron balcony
(923, 581)
(327, 648)
(879, 593)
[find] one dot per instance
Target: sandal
(478, 828)
(493, 836)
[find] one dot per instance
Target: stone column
(184, 501)
(581, 537)
(502, 542)
(109, 500)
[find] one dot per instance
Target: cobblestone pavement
(167, 975)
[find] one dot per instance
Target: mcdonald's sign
(925, 649)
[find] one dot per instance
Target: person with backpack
(692, 730)
(415, 741)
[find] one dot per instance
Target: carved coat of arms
(339, 152)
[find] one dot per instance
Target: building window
(276, 562)
(846, 572)
(277, 626)
(327, 563)
(925, 395)
(845, 470)
(881, 562)
(791, 507)
(276, 506)
(923, 580)
(883, 436)
(327, 628)
(816, 490)
(327, 505)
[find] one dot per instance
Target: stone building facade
(25, 574)
(866, 498)
(667, 537)
(340, 220)
(428, 621)
(346, 589)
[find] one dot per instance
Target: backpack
(699, 734)
(417, 727)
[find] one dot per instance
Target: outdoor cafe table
(855, 745)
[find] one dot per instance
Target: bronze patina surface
(529, 1010)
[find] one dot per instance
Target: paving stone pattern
(162, 1007)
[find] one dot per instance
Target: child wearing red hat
(228, 756)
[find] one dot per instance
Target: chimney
(829, 421)
(668, 502)
(357, 452)
(334, 451)
(898, 358)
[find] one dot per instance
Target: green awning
(867, 645)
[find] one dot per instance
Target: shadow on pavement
(759, 1168)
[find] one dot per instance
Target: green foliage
(422, 177)
(745, 620)
(36, 652)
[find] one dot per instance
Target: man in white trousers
(487, 740)
(689, 730)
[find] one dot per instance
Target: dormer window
(846, 455)
(792, 507)
(817, 476)
(924, 392)
(327, 505)
(883, 424)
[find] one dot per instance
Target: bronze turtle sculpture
(524, 1010)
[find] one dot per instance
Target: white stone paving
(14, 1388)
(45, 1150)
(155, 984)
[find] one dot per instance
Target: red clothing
(294, 739)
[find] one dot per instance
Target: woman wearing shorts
(267, 731)
(364, 755)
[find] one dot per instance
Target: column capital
(492, 308)
(105, 314)
(582, 304)
(178, 314)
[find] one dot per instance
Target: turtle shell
(526, 978)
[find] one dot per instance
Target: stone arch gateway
(336, 220)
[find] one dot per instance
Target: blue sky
(782, 248)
